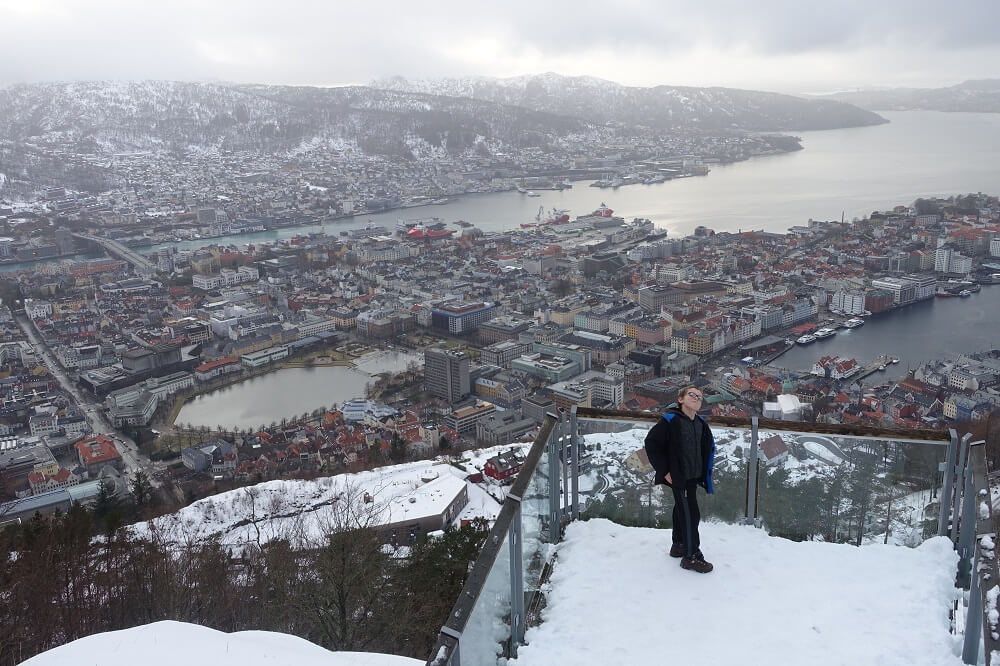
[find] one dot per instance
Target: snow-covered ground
(172, 643)
(615, 597)
(377, 362)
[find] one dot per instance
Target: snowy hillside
(982, 96)
(106, 117)
(599, 101)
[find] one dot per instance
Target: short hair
(685, 389)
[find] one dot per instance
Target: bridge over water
(141, 264)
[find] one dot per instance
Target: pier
(873, 366)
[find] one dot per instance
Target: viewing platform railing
(855, 484)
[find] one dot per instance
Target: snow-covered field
(616, 598)
(377, 362)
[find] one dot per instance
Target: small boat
(854, 323)
(824, 333)
(965, 293)
(806, 339)
(532, 194)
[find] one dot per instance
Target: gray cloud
(781, 44)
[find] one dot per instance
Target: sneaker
(696, 563)
(677, 550)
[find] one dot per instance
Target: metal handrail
(835, 429)
(446, 650)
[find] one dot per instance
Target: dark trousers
(686, 517)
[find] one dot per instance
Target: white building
(227, 277)
(264, 356)
(786, 408)
(947, 260)
(37, 309)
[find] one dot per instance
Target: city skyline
(776, 45)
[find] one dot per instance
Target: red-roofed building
(212, 369)
(503, 466)
(96, 452)
(41, 482)
(773, 450)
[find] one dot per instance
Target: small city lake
(289, 392)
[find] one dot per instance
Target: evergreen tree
(141, 488)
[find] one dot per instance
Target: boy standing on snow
(681, 449)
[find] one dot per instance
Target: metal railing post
(751, 486)
(554, 481)
(574, 442)
(966, 529)
(564, 443)
(947, 476)
(516, 581)
(959, 474)
(455, 658)
(973, 618)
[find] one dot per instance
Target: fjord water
(847, 171)
(853, 171)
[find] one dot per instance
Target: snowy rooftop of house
(281, 508)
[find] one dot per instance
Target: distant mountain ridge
(154, 115)
(982, 95)
(663, 107)
(397, 118)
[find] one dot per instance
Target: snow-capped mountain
(600, 101)
(103, 117)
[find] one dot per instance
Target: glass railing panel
(615, 481)
(486, 636)
(848, 489)
(537, 534)
(616, 478)
(727, 503)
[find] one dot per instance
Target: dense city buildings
(495, 328)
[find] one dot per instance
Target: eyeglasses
(692, 394)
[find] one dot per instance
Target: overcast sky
(782, 45)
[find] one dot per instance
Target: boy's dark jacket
(662, 456)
